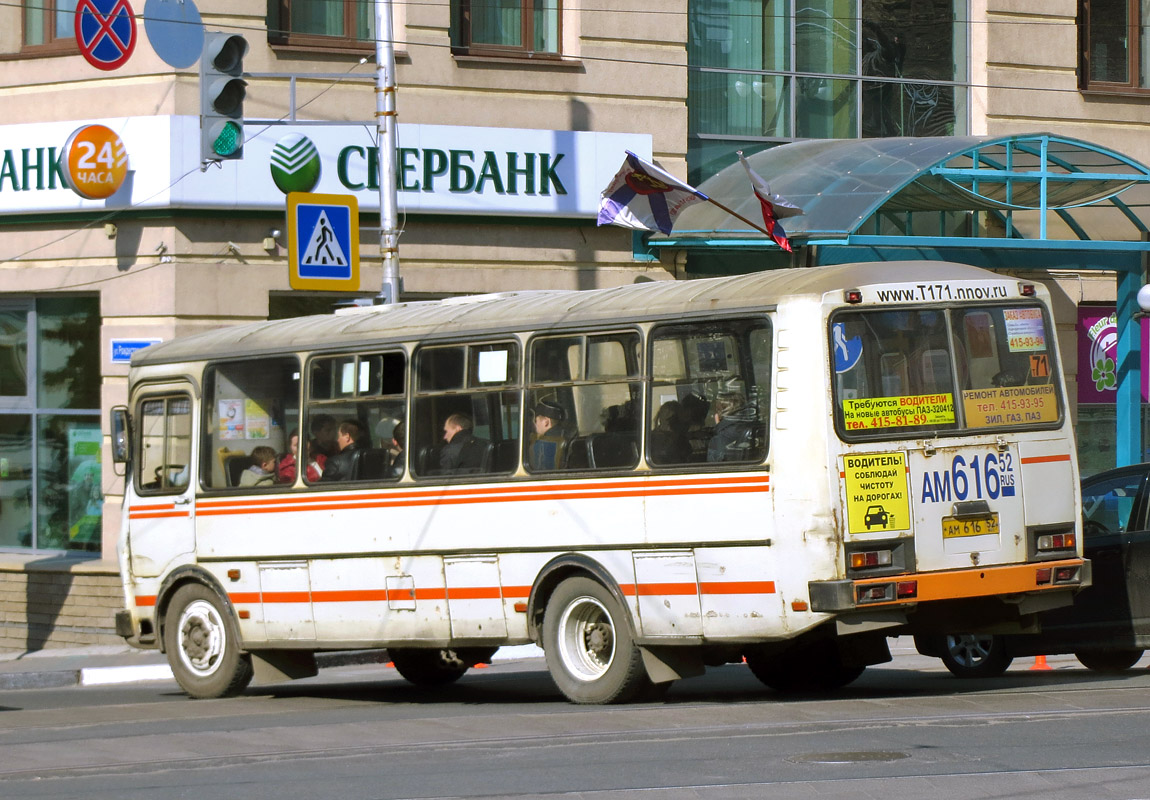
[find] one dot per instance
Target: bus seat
(606, 450)
(506, 455)
(372, 464)
(233, 462)
(577, 454)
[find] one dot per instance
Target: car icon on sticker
(875, 515)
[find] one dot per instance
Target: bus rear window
(944, 371)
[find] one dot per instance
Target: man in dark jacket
(341, 466)
(461, 452)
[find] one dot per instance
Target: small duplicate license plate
(953, 527)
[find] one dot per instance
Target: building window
(50, 436)
(765, 72)
(50, 25)
(1114, 45)
(330, 24)
(505, 27)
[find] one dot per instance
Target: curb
(139, 673)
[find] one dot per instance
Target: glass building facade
(765, 72)
(51, 493)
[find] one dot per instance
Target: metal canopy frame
(1014, 202)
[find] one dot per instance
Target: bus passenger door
(667, 590)
(161, 508)
(474, 597)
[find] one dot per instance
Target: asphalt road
(904, 730)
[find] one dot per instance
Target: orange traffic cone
(1040, 663)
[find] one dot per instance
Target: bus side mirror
(120, 436)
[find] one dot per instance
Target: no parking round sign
(106, 32)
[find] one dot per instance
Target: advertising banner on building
(441, 169)
(1098, 354)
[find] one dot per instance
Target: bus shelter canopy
(841, 184)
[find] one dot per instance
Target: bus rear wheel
(590, 651)
(429, 667)
(203, 645)
(1112, 661)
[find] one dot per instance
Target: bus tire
(203, 644)
(972, 655)
(1112, 661)
(813, 668)
(428, 667)
(590, 651)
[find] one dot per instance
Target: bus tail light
(874, 593)
(906, 589)
(1066, 575)
(870, 558)
(1057, 541)
(1043, 576)
(1026, 289)
(852, 296)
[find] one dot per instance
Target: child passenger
(263, 471)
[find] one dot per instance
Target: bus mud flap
(666, 664)
(276, 666)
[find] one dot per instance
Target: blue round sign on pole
(105, 32)
(175, 30)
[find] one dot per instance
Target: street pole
(385, 136)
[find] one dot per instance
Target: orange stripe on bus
(145, 600)
(514, 592)
(158, 514)
(738, 587)
(1045, 459)
(667, 589)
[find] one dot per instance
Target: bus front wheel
(591, 654)
(203, 645)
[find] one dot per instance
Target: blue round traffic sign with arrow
(106, 32)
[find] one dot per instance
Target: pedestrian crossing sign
(323, 241)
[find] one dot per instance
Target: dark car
(1108, 626)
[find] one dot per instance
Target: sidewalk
(107, 664)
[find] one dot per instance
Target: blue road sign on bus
(323, 241)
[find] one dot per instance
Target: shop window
(330, 24)
(50, 476)
(251, 409)
(506, 27)
(466, 412)
(49, 25)
(1114, 45)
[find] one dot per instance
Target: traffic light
(222, 91)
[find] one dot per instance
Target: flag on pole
(774, 206)
(644, 197)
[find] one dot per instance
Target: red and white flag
(774, 206)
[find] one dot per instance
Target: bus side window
(710, 392)
(583, 403)
(250, 407)
(355, 404)
(469, 392)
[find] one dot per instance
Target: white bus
(788, 467)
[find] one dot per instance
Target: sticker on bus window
(1010, 405)
(1024, 329)
(876, 490)
(898, 412)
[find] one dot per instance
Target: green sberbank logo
(295, 164)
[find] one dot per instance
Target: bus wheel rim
(202, 638)
(586, 639)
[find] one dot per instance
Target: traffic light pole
(385, 119)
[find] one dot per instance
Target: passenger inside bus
(352, 441)
(669, 441)
(398, 437)
(736, 422)
(262, 471)
(549, 444)
(462, 451)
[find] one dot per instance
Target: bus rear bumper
(924, 587)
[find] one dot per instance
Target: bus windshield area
(943, 370)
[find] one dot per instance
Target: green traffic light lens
(229, 140)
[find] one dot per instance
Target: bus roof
(542, 310)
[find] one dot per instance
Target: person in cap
(547, 443)
(736, 425)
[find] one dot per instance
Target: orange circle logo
(97, 162)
